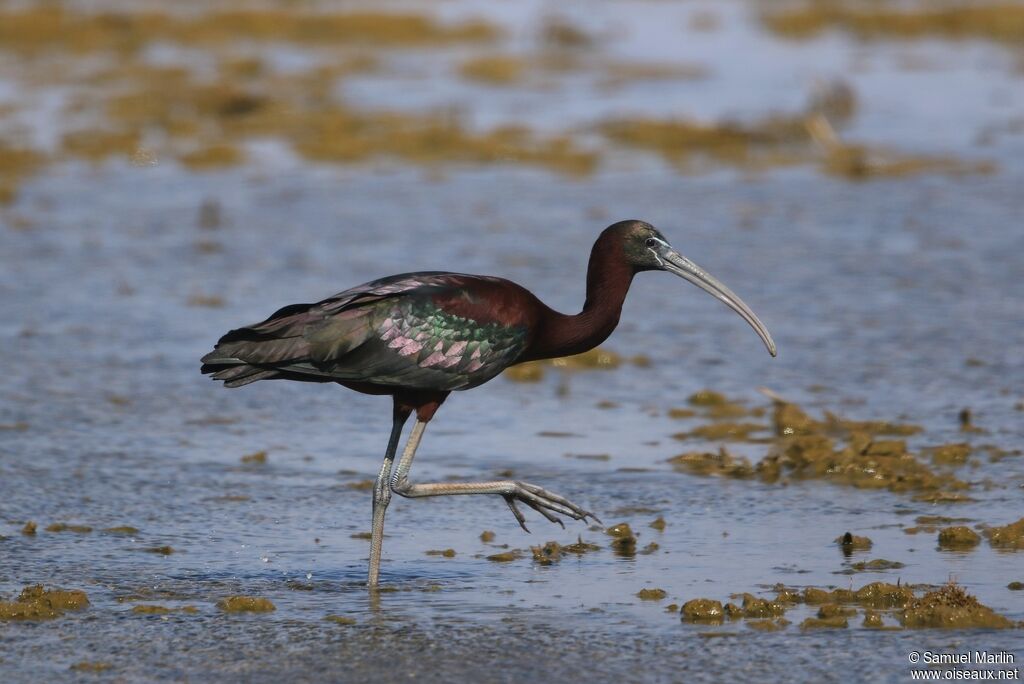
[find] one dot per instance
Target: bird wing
(394, 331)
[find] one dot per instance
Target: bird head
(646, 249)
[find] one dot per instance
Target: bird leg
(382, 496)
(537, 498)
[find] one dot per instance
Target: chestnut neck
(609, 276)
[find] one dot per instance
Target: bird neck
(609, 276)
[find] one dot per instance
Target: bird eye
(651, 242)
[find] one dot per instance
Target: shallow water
(877, 293)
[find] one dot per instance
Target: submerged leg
(382, 496)
(537, 498)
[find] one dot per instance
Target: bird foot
(545, 503)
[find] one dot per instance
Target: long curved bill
(674, 262)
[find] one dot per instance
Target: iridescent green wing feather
(418, 344)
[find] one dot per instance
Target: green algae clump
(958, 537)
(930, 523)
(703, 610)
(150, 609)
(37, 603)
(996, 21)
(494, 69)
(754, 607)
(721, 464)
(736, 432)
(715, 406)
(549, 553)
(30, 29)
(531, 371)
(445, 553)
(850, 542)
(246, 604)
(768, 625)
(816, 597)
(580, 547)
(875, 565)
(835, 622)
(951, 608)
(623, 539)
(64, 527)
(487, 536)
(831, 610)
(652, 594)
(340, 619)
(159, 550)
(706, 397)
(259, 457)
(807, 449)
(790, 419)
(872, 620)
(1010, 537)
(950, 454)
(786, 595)
(884, 595)
(595, 359)
(213, 156)
(505, 557)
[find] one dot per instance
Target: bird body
(425, 331)
(419, 336)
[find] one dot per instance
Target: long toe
(511, 501)
(548, 504)
(540, 509)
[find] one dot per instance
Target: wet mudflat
(219, 534)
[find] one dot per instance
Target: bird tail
(298, 342)
(234, 372)
(256, 352)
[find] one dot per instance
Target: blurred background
(168, 171)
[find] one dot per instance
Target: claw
(546, 503)
(511, 501)
(540, 509)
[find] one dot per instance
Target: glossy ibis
(418, 336)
